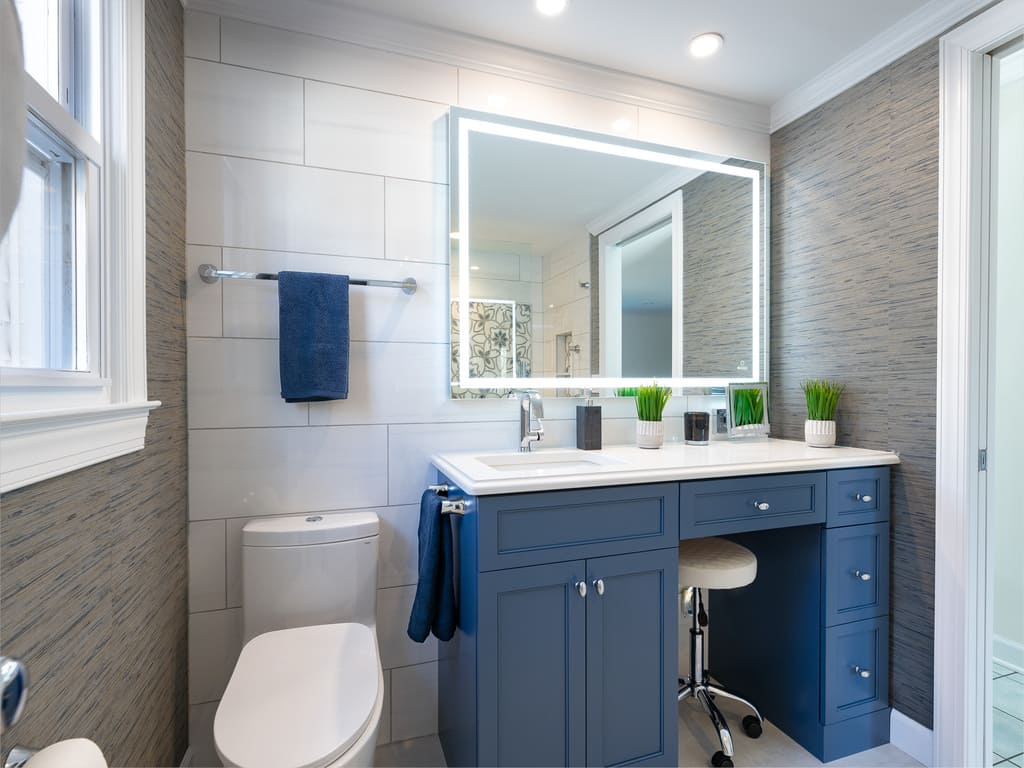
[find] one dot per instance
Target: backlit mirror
(585, 261)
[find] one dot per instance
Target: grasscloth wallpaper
(854, 254)
(93, 564)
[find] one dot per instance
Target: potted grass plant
(650, 404)
(822, 397)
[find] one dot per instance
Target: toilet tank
(308, 570)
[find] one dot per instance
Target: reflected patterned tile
(1007, 735)
(1008, 695)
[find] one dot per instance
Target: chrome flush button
(314, 518)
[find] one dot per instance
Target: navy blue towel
(433, 609)
(314, 336)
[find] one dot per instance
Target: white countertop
(560, 468)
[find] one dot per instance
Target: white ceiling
(771, 48)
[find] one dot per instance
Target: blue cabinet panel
(857, 496)
(632, 636)
(856, 563)
(532, 528)
(855, 669)
(531, 664)
(737, 504)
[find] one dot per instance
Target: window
(72, 262)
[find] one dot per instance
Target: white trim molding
(962, 654)
(927, 22)
(908, 735)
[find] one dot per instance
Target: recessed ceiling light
(706, 45)
(551, 7)
(622, 124)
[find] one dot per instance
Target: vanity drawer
(737, 504)
(855, 669)
(858, 496)
(855, 562)
(552, 526)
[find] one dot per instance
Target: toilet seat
(299, 698)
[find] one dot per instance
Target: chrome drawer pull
(763, 506)
(865, 673)
(867, 499)
(862, 575)
(599, 586)
(581, 587)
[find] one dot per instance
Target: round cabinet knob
(763, 506)
(866, 498)
(865, 673)
(581, 587)
(862, 575)
(599, 586)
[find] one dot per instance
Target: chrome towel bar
(210, 274)
(451, 506)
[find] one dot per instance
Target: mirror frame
(463, 122)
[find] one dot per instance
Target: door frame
(962, 657)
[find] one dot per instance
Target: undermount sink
(546, 462)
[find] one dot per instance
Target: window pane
(40, 31)
(38, 282)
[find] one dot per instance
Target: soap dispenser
(588, 426)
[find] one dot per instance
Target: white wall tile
(410, 447)
(396, 649)
(249, 472)
(375, 314)
(384, 729)
(233, 571)
(244, 112)
(317, 58)
(206, 566)
(203, 301)
(237, 383)
(202, 35)
(416, 221)
(507, 96)
(398, 546)
(200, 734)
(215, 640)
(414, 701)
(369, 132)
(702, 135)
(254, 204)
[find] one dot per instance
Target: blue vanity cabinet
(567, 656)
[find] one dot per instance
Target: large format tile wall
(311, 154)
(94, 562)
(854, 244)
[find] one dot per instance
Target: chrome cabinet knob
(865, 673)
(866, 498)
(581, 587)
(599, 586)
(763, 506)
(13, 691)
(862, 575)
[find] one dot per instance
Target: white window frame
(52, 422)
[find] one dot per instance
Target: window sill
(38, 445)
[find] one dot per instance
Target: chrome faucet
(531, 411)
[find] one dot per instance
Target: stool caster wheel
(752, 726)
(719, 760)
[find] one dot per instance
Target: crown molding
(924, 24)
(329, 19)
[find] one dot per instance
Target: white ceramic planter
(820, 434)
(650, 434)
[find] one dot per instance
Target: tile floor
(1007, 716)
(697, 742)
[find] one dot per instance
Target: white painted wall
(1007, 449)
(311, 154)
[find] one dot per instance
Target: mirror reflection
(586, 261)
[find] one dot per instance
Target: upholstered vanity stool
(713, 564)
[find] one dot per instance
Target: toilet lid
(298, 697)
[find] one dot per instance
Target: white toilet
(308, 689)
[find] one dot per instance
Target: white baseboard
(1008, 653)
(186, 761)
(911, 737)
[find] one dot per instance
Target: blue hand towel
(433, 608)
(314, 336)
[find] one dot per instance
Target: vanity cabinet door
(531, 664)
(632, 630)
